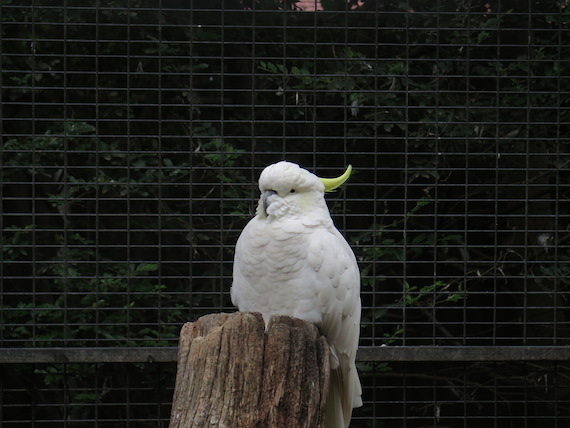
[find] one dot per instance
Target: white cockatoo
(291, 260)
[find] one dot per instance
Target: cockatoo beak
(265, 198)
(333, 183)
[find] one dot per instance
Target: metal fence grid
(133, 133)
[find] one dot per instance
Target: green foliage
(430, 295)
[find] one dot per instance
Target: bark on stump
(232, 373)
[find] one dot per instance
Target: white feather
(291, 260)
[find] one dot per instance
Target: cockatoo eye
(292, 191)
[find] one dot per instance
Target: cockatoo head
(287, 190)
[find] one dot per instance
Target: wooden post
(232, 373)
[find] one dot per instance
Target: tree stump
(232, 373)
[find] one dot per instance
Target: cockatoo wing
(338, 282)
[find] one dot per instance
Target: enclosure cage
(133, 135)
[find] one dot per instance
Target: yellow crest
(333, 183)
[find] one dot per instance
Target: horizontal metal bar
(463, 353)
(89, 355)
(365, 354)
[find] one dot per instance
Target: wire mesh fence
(133, 133)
